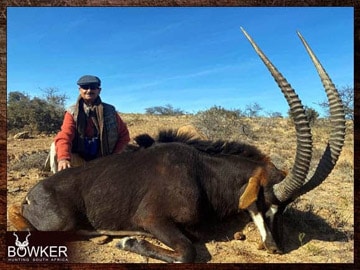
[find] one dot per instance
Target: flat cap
(89, 79)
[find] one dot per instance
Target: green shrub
(37, 115)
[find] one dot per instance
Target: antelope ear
(250, 194)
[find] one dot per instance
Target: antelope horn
(337, 134)
(296, 178)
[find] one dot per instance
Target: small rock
(13, 190)
(239, 236)
(22, 135)
(100, 240)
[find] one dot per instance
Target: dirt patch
(318, 227)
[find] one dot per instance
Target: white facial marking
(271, 212)
(259, 222)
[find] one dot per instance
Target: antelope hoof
(261, 246)
(273, 250)
(271, 247)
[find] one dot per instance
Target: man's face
(89, 93)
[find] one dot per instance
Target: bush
(164, 110)
(28, 161)
(218, 123)
(253, 110)
(37, 115)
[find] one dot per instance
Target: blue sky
(191, 58)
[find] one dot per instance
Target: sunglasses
(89, 86)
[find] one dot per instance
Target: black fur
(219, 147)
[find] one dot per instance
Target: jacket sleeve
(63, 140)
(124, 136)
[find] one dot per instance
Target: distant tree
(274, 114)
(311, 114)
(347, 96)
(164, 110)
(52, 97)
(252, 110)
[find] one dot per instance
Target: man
(90, 129)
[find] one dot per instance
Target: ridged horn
(337, 133)
(296, 178)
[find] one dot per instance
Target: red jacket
(63, 140)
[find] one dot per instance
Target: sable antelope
(167, 187)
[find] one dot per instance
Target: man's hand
(63, 164)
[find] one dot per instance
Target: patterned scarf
(96, 113)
